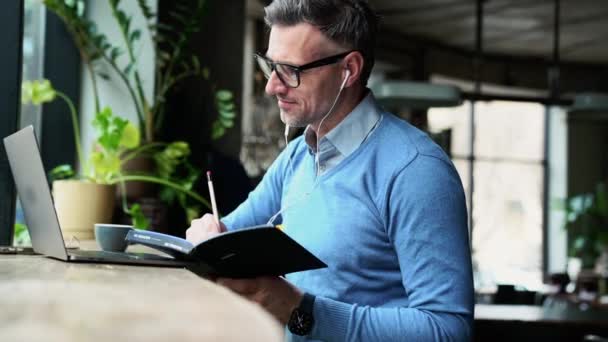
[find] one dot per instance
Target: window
(33, 64)
(33, 56)
(508, 171)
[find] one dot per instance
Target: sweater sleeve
(265, 200)
(426, 222)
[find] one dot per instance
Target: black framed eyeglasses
(290, 74)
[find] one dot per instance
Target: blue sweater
(390, 221)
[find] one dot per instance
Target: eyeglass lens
(287, 74)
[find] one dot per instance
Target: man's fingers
(202, 229)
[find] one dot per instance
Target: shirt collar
(353, 129)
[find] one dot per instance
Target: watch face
(300, 323)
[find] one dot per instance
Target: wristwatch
(301, 320)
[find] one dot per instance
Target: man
(367, 193)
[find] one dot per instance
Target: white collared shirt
(347, 136)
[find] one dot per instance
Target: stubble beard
(292, 121)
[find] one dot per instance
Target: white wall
(114, 93)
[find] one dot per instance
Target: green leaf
(168, 195)
(99, 41)
(164, 27)
(138, 218)
(37, 92)
(206, 73)
(114, 135)
(105, 166)
(217, 130)
(123, 19)
(106, 46)
(130, 137)
(227, 114)
(95, 56)
(227, 107)
(80, 9)
(226, 123)
(196, 63)
(170, 158)
(128, 68)
(179, 17)
(90, 27)
(164, 55)
(103, 75)
(145, 9)
(135, 35)
(115, 52)
(102, 120)
(579, 243)
(22, 236)
(64, 171)
(223, 95)
(19, 228)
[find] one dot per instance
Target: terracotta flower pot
(80, 205)
(137, 189)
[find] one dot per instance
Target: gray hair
(350, 23)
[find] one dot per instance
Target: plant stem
(75, 126)
(149, 134)
(123, 193)
(141, 149)
(163, 182)
(122, 76)
(81, 39)
(88, 49)
(93, 81)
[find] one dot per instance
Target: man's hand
(275, 294)
(204, 228)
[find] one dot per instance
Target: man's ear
(353, 62)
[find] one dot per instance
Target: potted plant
(173, 64)
(117, 141)
(587, 224)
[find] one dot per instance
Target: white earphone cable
(286, 133)
(317, 163)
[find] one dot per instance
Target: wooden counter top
(42, 299)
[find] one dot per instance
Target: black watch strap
(302, 320)
(308, 303)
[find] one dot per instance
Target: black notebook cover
(243, 253)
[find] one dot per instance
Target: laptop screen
(34, 193)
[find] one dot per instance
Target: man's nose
(274, 85)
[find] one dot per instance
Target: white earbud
(345, 79)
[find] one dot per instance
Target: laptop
(42, 223)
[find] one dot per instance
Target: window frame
(11, 38)
(57, 147)
(543, 163)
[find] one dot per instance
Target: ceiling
(511, 27)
